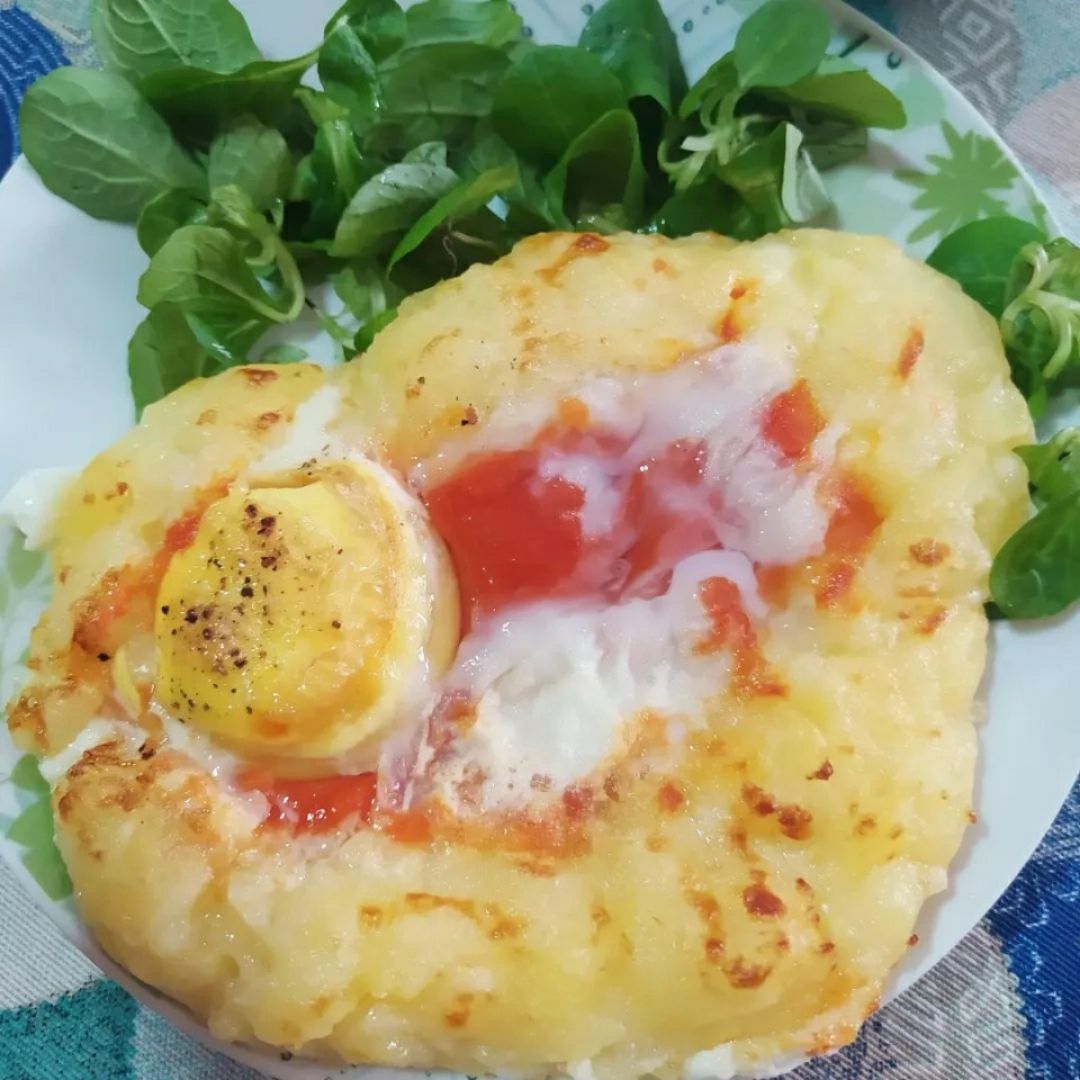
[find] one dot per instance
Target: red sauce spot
(670, 798)
(591, 243)
(737, 291)
(760, 801)
(854, 522)
(775, 584)
(714, 950)
(792, 421)
(728, 328)
(515, 535)
(910, 353)
(733, 631)
(454, 714)
(663, 534)
(318, 803)
(823, 771)
(573, 414)
(512, 536)
(578, 801)
(411, 827)
(182, 532)
(585, 244)
(833, 583)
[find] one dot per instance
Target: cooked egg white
(31, 503)
(679, 823)
(560, 690)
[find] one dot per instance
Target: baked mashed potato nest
(582, 680)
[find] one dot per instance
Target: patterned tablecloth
(1005, 1003)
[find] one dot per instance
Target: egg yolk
(301, 611)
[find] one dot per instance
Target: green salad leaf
(1037, 573)
(254, 157)
(980, 256)
(137, 37)
(95, 142)
(780, 43)
(1032, 288)
(462, 200)
(765, 120)
(163, 354)
(197, 102)
(383, 209)
(203, 269)
(494, 23)
(708, 205)
(599, 184)
(166, 213)
(635, 42)
(435, 92)
(1054, 467)
(1041, 321)
(440, 135)
(283, 353)
(349, 73)
(841, 90)
(379, 25)
(330, 176)
(550, 96)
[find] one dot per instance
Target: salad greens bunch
(1031, 285)
(431, 139)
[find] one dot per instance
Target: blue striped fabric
(27, 50)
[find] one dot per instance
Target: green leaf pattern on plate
(28, 824)
(967, 182)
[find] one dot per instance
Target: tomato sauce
(316, 804)
(855, 520)
(732, 631)
(793, 421)
(514, 537)
(514, 530)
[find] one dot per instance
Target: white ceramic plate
(67, 308)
